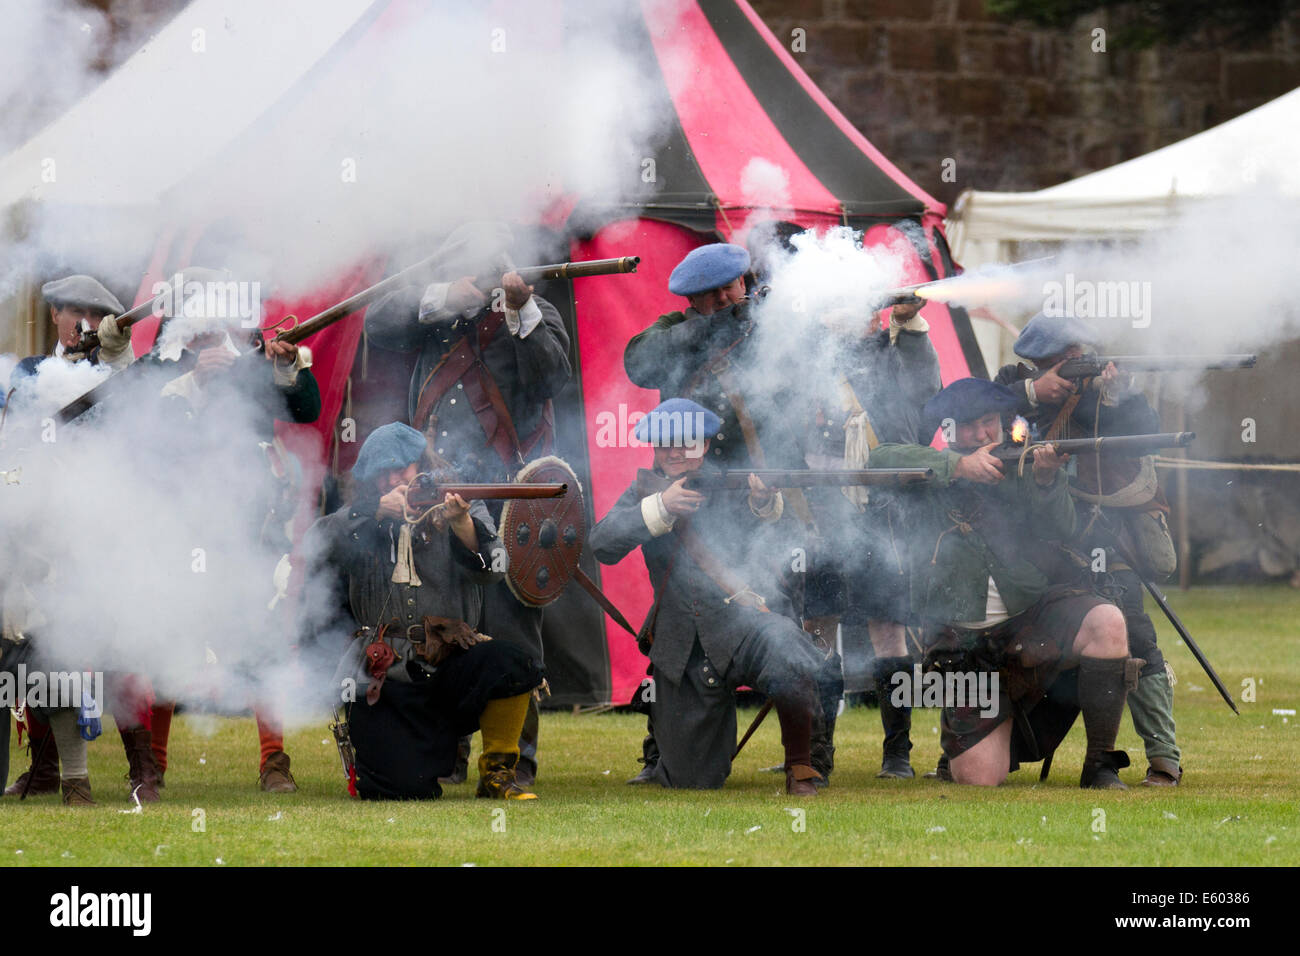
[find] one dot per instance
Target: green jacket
(960, 534)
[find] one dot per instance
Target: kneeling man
(412, 586)
(987, 582)
(713, 560)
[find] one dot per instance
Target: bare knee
(976, 776)
(988, 762)
(1103, 633)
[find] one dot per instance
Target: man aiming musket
(720, 619)
(491, 356)
(1123, 514)
(409, 592)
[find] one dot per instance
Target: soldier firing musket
(490, 357)
(1069, 391)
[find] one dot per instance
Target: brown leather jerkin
(463, 363)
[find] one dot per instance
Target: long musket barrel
(1089, 366)
(408, 276)
(578, 270)
(90, 339)
(776, 478)
(560, 270)
(292, 335)
(1107, 444)
(1158, 596)
(427, 492)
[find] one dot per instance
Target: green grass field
(1239, 805)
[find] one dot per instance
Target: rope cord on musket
(1193, 464)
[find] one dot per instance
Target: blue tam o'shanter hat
(709, 267)
(678, 421)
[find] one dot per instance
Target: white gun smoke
(138, 555)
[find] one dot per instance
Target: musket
(830, 478)
(902, 295)
(579, 270)
(1011, 451)
(1091, 366)
(175, 291)
(1180, 628)
(90, 337)
(295, 333)
(426, 490)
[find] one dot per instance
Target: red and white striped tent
(744, 95)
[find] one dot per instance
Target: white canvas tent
(1142, 194)
(197, 77)
(1256, 149)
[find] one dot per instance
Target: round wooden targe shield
(543, 537)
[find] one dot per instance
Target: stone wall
(1016, 106)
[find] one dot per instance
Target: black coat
(689, 604)
(528, 371)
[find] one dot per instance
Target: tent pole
(1180, 521)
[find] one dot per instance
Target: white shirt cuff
(523, 322)
(1029, 392)
(656, 516)
(434, 301)
(286, 375)
(185, 386)
(915, 324)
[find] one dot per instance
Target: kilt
(1029, 653)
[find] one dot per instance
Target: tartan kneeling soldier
(411, 589)
(983, 534)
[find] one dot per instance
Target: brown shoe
(44, 771)
(1162, 778)
(497, 781)
(276, 777)
(142, 772)
(76, 792)
(800, 781)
